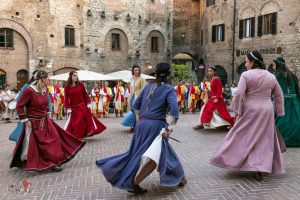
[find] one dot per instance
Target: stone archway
(22, 49)
(182, 60)
(8, 23)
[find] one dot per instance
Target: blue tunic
(120, 170)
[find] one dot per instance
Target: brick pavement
(81, 179)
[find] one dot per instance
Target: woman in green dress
(288, 125)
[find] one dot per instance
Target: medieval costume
(253, 144)
(205, 92)
(43, 144)
(81, 123)
(58, 101)
(136, 87)
(180, 93)
(95, 101)
(153, 104)
(193, 97)
(119, 99)
(289, 124)
(106, 94)
(52, 98)
(214, 113)
(6, 97)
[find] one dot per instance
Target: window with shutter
(252, 27)
(241, 29)
(214, 30)
(223, 32)
(260, 26)
(69, 36)
(115, 42)
(274, 23)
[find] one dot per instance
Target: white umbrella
(84, 75)
(125, 75)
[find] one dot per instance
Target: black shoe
(258, 176)
(57, 169)
(183, 182)
(138, 190)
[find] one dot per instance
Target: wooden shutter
(213, 35)
(253, 27)
(274, 23)
(72, 37)
(260, 26)
(67, 37)
(223, 32)
(241, 29)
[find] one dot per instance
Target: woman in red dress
(81, 123)
(214, 113)
(42, 144)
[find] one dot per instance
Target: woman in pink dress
(42, 144)
(81, 123)
(253, 143)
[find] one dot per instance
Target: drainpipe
(233, 40)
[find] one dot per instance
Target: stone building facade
(98, 35)
(269, 26)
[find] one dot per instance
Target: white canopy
(84, 75)
(125, 75)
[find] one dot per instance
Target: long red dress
(82, 123)
(48, 144)
(220, 106)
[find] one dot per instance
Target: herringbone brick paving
(82, 180)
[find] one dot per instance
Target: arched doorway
(241, 68)
(222, 74)
(2, 78)
(183, 66)
(22, 78)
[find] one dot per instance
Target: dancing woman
(137, 84)
(253, 144)
(124, 171)
(289, 124)
(214, 113)
(43, 144)
(81, 123)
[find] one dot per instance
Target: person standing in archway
(214, 113)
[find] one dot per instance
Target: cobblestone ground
(81, 179)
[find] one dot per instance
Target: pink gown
(253, 144)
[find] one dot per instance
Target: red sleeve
(22, 103)
(85, 94)
(67, 98)
(216, 87)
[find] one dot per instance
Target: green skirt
(289, 124)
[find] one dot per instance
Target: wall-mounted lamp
(183, 35)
